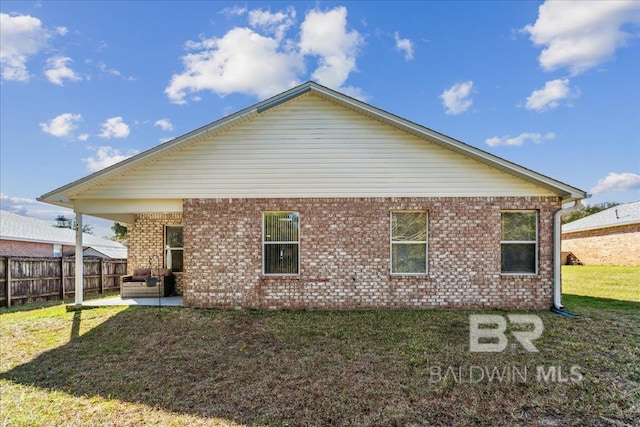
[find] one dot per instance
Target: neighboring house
(105, 252)
(30, 237)
(609, 237)
(314, 200)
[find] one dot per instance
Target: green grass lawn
(140, 366)
(618, 283)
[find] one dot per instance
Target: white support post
(79, 279)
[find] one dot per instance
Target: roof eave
(61, 196)
(600, 227)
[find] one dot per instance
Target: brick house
(314, 200)
(609, 237)
(21, 236)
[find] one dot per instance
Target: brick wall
(30, 249)
(145, 238)
(606, 246)
(345, 255)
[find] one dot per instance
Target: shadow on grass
(217, 364)
(314, 368)
(578, 301)
(37, 305)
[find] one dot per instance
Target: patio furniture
(138, 286)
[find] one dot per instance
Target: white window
(409, 242)
(281, 243)
(174, 249)
(57, 250)
(519, 242)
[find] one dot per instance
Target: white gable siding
(310, 147)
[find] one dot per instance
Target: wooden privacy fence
(25, 279)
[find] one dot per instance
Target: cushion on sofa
(140, 274)
(144, 272)
(162, 272)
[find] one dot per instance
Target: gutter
(557, 306)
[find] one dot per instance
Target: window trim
(536, 242)
(264, 243)
(167, 246)
(416, 242)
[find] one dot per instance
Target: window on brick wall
(281, 243)
(519, 242)
(409, 242)
(173, 254)
(57, 250)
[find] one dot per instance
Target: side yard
(178, 366)
(601, 281)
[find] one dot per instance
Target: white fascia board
(126, 206)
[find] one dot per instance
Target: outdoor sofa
(146, 283)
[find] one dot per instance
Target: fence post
(62, 278)
(8, 278)
(101, 275)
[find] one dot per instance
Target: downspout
(557, 270)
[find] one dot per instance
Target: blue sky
(552, 86)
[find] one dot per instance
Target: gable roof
(25, 229)
(616, 216)
(70, 194)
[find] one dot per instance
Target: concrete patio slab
(164, 302)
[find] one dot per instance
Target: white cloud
(325, 35)
(57, 70)
(617, 182)
(517, 141)
(164, 124)
(83, 136)
(273, 23)
(103, 67)
(21, 36)
(579, 35)
(62, 125)
(550, 95)
(233, 11)
(457, 99)
(15, 204)
(241, 61)
(62, 31)
(263, 61)
(30, 207)
(106, 156)
(114, 72)
(404, 45)
(115, 127)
